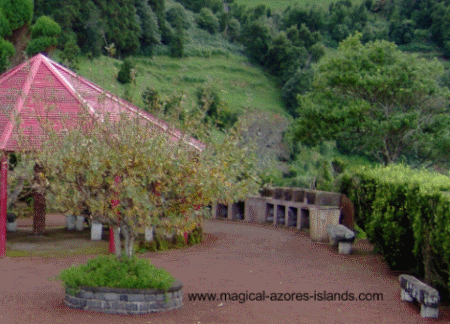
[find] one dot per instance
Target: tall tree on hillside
(149, 31)
(15, 19)
(376, 100)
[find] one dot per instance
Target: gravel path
(236, 258)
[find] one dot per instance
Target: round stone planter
(126, 301)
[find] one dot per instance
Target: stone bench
(428, 297)
(339, 234)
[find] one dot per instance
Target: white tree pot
(96, 231)
(11, 227)
(71, 221)
(80, 223)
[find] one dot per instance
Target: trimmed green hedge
(406, 215)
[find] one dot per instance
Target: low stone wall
(126, 301)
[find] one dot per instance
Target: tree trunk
(129, 241)
(117, 242)
(39, 204)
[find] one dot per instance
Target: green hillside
(239, 83)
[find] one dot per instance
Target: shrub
(124, 75)
(108, 271)
(404, 213)
(208, 21)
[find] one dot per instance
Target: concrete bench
(428, 297)
(339, 234)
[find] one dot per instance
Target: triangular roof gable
(40, 84)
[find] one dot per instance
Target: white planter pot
(149, 234)
(70, 221)
(80, 223)
(96, 231)
(11, 227)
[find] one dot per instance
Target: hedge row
(406, 215)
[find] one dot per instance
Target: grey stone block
(345, 248)
(95, 304)
(429, 312)
(340, 233)
(76, 301)
(130, 306)
(118, 305)
(110, 296)
(405, 296)
(123, 298)
(136, 297)
(160, 297)
(87, 294)
(149, 298)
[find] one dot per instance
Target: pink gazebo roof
(43, 88)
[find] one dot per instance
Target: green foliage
(315, 168)
(298, 84)
(6, 51)
(233, 29)
(177, 43)
(124, 75)
(380, 101)
(208, 21)
(45, 27)
(5, 29)
(41, 44)
(404, 212)
(215, 109)
(70, 54)
(257, 37)
(149, 30)
(177, 17)
(17, 12)
(108, 271)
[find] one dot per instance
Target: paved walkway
(235, 258)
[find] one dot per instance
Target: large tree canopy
(156, 177)
(377, 100)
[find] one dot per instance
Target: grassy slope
(238, 82)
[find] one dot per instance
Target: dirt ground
(235, 258)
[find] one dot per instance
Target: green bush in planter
(108, 271)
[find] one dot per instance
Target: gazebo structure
(43, 89)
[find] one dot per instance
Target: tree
(70, 54)
(177, 17)
(377, 100)
(44, 35)
(148, 22)
(208, 21)
(177, 43)
(155, 176)
(124, 75)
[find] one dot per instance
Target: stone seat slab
(340, 233)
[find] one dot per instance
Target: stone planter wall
(126, 301)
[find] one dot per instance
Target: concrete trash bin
(96, 231)
(80, 223)
(70, 221)
(319, 218)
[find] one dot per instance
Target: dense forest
(288, 45)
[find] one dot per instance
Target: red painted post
(3, 202)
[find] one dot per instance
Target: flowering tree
(157, 177)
